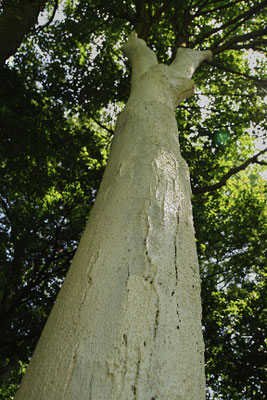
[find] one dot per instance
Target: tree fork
(127, 321)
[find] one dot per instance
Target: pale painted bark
(127, 322)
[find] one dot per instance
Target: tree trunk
(15, 22)
(127, 322)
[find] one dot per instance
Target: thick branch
(141, 57)
(144, 19)
(178, 74)
(233, 171)
(15, 22)
(154, 18)
(187, 61)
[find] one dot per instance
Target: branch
(240, 39)
(144, 19)
(215, 274)
(261, 162)
(201, 6)
(159, 12)
(111, 131)
(41, 27)
(252, 46)
(233, 171)
(141, 57)
(199, 12)
(156, 16)
(104, 23)
(25, 293)
(37, 275)
(261, 82)
(245, 16)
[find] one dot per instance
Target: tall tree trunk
(127, 322)
(15, 22)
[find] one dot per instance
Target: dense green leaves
(230, 236)
(51, 166)
(59, 98)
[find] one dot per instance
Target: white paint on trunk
(127, 321)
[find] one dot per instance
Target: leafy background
(59, 97)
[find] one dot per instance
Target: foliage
(51, 166)
(59, 98)
(230, 238)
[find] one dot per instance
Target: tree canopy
(60, 94)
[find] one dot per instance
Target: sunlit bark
(127, 322)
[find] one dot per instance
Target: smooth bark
(127, 322)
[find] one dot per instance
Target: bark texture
(15, 22)
(127, 322)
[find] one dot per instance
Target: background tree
(56, 126)
(16, 19)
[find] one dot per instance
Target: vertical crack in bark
(90, 387)
(149, 274)
(76, 352)
(156, 323)
(163, 205)
(85, 294)
(134, 387)
(128, 274)
(93, 261)
(175, 248)
(72, 368)
(125, 351)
